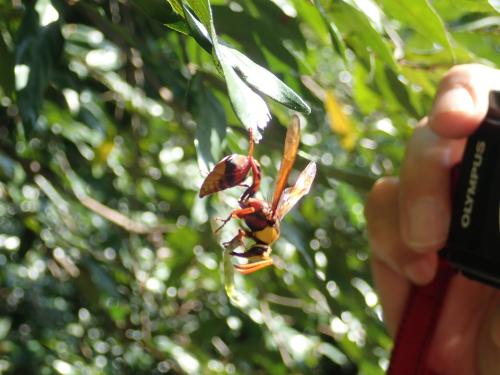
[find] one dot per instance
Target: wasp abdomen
(229, 172)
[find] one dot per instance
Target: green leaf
(333, 31)
(272, 47)
(229, 285)
(423, 18)
(198, 30)
(7, 78)
(158, 10)
(401, 93)
(483, 24)
(352, 21)
(250, 108)
(483, 45)
(38, 51)
(176, 5)
(495, 4)
(167, 12)
(396, 95)
(5, 324)
(210, 126)
(257, 77)
(366, 99)
(100, 277)
(235, 63)
(451, 10)
(119, 312)
(202, 10)
(7, 167)
(263, 81)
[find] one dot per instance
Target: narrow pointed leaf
(335, 36)
(422, 17)
(250, 108)
(357, 26)
(250, 73)
(263, 81)
(198, 30)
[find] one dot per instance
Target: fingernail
(420, 271)
(457, 99)
(428, 223)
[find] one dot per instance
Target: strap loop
(418, 323)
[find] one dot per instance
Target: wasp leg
(254, 165)
(236, 241)
(258, 256)
(252, 189)
(249, 268)
(255, 251)
(236, 214)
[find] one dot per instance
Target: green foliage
(111, 114)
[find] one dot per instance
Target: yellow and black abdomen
(264, 229)
(267, 235)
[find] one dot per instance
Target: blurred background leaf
(112, 113)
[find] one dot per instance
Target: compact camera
(473, 244)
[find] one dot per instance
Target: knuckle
(427, 150)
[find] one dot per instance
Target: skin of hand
(408, 220)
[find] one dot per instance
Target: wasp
(232, 171)
(263, 218)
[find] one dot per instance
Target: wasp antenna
(225, 221)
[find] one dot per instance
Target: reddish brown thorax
(261, 218)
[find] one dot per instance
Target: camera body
(473, 244)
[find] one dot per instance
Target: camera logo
(472, 184)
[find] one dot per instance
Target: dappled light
(112, 114)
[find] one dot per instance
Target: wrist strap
(418, 323)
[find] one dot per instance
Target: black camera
(473, 244)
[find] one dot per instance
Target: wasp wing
(289, 154)
(292, 195)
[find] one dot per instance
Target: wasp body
(263, 219)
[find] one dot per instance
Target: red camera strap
(417, 326)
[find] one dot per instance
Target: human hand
(408, 220)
